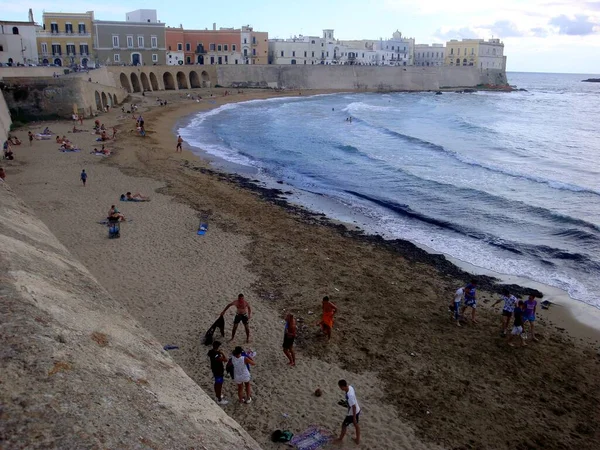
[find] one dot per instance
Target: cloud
(461, 33)
(539, 32)
(504, 29)
(581, 25)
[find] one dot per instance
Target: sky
(560, 36)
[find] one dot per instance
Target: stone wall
(77, 370)
(5, 120)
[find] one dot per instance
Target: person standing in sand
(518, 325)
(30, 135)
(353, 415)
(217, 359)
(83, 177)
(510, 302)
(530, 309)
(179, 142)
(241, 374)
(329, 309)
(470, 299)
(454, 308)
(288, 339)
(243, 314)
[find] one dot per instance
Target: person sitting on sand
(529, 315)
(470, 299)
(102, 128)
(104, 136)
(14, 140)
(114, 213)
(8, 154)
(353, 414)
(46, 131)
(510, 302)
(518, 325)
(329, 309)
(243, 314)
(128, 197)
(288, 339)
(76, 130)
(58, 139)
(2, 174)
(241, 374)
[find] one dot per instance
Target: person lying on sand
(77, 130)
(243, 314)
(329, 309)
(129, 197)
(114, 213)
(14, 140)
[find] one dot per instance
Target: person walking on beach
(83, 177)
(179, 142)
(470, 299)
(510, 301)
(217, 359)
(454, 309)
(518, 325)
(241, 374)
(530, 309)
(30, 135)
(288, 339)
(329, 309)
(243, 314)
(353, 415)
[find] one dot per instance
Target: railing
(49, 34)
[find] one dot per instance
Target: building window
(245, 41)
(116, 57)
(293, 53)
(83, 49)
(236, 61)
(68, 28)
(129, 41)
(254, 52)
(233, 47)
(226, 60)
(70, 49)
(188, 60)
(154, 57)
(282, 53)
(140, 41)
(44, 47)
(82, 28)
(188, 47)
(115, 41)
(225, 47)
(246, 52)
(211, 47)
(15, 30)
(54, 27)
(220, 60)
(56, 49)
(254, 40)
(313, 54)
(154, 42)
(212, 59)
(305, 53)
(219, 48)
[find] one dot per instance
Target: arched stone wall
(135, 83)
(169, 81)
(145, 83)
(104, 101)
(205, 79)
(115, 101)
(181, 81)
(98, 101)
(154, 82)
(125, 82)
(194, 80)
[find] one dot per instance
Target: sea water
(509, 182)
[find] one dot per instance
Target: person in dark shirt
(217, 359)
(518, 325)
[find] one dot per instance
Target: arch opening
(181, 81)
(104, 101)
(194, 80)
(135, 83)
(145, 83)
(205, 79)
(153, 82)
(98, 101)
(125, 82)
(115, 101)
(169, 81)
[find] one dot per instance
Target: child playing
(518, 325)
(530, 308)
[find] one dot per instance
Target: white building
(175, 58)
(397, 51)
(429, 55)
(491, 54)
(18, 42)
(142, 15)
(309, 50)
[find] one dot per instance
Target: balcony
(55, 34)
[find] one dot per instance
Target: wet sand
(422, 381)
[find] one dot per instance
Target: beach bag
(220, 324)
(281, 436)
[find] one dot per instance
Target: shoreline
(582, 320)
(418, 377)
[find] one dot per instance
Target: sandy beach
(422, 382)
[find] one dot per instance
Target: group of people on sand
(239, 361)
(522, 312)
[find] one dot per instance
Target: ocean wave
(362, 106)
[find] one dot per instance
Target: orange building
(222, 46)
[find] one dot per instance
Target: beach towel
(203, 227)
(220, 324)
(312, 438)
(69, 150)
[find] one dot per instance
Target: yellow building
(475, 52)
(66, 39)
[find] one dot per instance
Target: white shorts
(242, 380)
(517, 331)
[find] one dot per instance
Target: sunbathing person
(134, 197)
(46, 131)
(14, 140)
(58, 140)
(114, 213)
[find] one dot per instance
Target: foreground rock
(591, 80)
(76, 371)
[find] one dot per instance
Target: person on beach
(510, 301)
(114, 213)
(288, 339)
(459, 295)
(114, 134)
(83, 177)
(30, 136)
(518, 325)
(353, 415)
(217, 361)
(329, 309)
(2, 174)
(470, 299)
(179, 142)
(241, 374)
(129, 197)
(243, 314)
(530, 309)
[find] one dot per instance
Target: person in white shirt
(459, 295)
(353, 414)
(241, 374)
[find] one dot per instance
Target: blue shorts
(471, 302)
(529, 318)
(219, 380)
